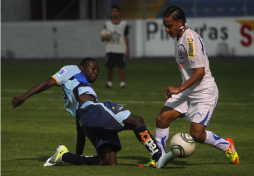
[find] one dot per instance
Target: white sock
(216, 141)
(161, 137)
(122, 84)
(110, 83)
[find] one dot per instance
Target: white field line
(35, 99)
(145, 93)
(23, 91)
(122, 102)
(42, 108)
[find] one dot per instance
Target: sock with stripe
(161, 136)
(216, 141)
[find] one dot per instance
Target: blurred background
(60, 29)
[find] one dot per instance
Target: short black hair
(85, 61)
(177, 12)
(115, 7)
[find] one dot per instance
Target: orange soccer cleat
(231, 152)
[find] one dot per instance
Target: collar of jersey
(82, 78)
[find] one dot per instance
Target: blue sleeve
(65, 73)
(126, 30)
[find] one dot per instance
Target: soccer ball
(182, 145)
(106, 33)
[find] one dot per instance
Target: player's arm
(18, 101)
(197, 75)
(81, 140)
(126, 37)
(105, 38)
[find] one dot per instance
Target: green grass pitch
(31, 133)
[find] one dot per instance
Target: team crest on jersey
(61, 72)
(191, 47)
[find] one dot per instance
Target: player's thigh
(201, 108)
(117, 112)
(103, 116)
(120, 60)
(110, 60)
(176, 106)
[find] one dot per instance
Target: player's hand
(17, 101)
(105, 38)
(171, 90)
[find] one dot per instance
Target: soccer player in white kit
(196, 97)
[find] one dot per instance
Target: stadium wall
(78, 39)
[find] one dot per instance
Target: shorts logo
(61, 72)
(148, 142)
(191, 47)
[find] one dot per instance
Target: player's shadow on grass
(175, 164)
(143, 160)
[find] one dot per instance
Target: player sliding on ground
(196, 97)
(99, 121)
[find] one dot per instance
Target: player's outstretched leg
(145, 137)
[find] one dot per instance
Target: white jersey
(190, 53)
(119, 31)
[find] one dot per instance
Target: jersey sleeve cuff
(55, 80)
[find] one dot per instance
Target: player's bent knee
(140, 120)
(134, 121)
(161, 122)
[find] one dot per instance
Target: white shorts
(198, 108)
